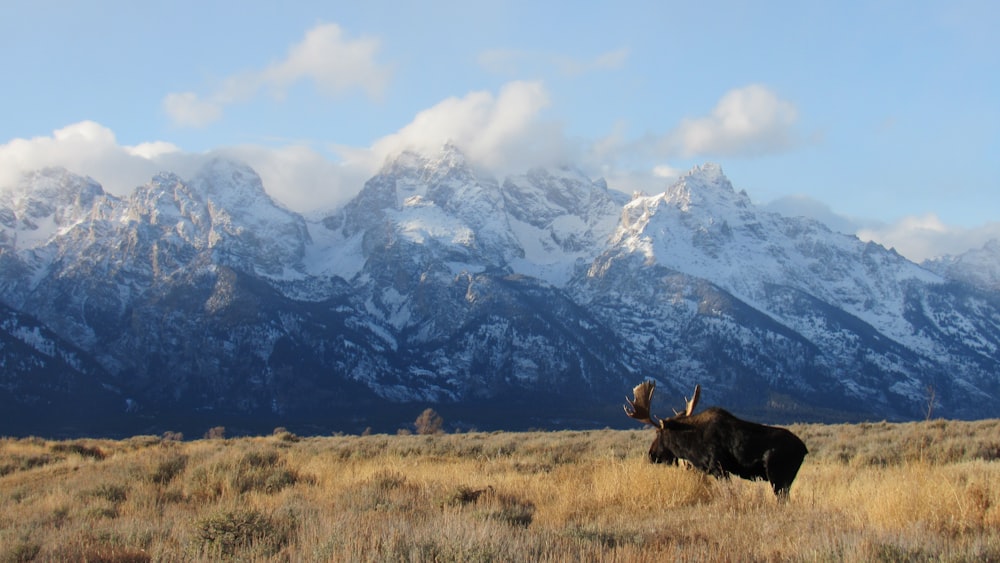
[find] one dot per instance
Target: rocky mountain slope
(538, 300)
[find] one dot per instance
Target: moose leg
(780, 471)
(717, 470)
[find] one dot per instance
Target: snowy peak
(43, 204)
(707, 189)
(57, 186)
(703, 228)
(233, 187)
(541, 223)
(978, 267)
(449, 162)
(255, 233)
(432, 200)
(411, 176)
(703, 201)
(167, 199)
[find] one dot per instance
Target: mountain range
(533, 301)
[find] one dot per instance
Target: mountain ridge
(442, 285)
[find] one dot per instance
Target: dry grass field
(925, 491)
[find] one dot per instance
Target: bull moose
(720, 444)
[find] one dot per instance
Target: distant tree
(216, 433)
(171, 436)
(429, 422)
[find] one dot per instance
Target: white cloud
(335, 63)
(923, 237)
(325, 56)
(501, 132)
(805, 206)
(296, 176)
(918, 238)
(667, 172)
(303, 179)
(751, 120)
(86, 148)
(153, 149)
(497, 132)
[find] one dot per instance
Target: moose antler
(690, 403)
(693, 401)
(639, 407)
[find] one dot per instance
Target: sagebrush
(866, 492)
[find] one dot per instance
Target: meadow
(927, 491)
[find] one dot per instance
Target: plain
(927, 491)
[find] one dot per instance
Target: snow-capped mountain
(493, 300)
(978, 267)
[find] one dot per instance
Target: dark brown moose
(720, 444)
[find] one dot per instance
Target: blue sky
(881, 117)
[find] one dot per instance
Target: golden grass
(867, 492)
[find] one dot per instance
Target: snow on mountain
(560, 219)
(42, 205)
(703, 227)
(251, 224)
(41, 374)
(440, 283)
(438, 203)
(978, 267)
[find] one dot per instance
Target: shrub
(168, 468)
(115, 494)
(265, 472)
(25, 463)
(464, 495)
(21, 552)
(429, 422)
(79, 449)
(109, 512)
(284, 435)
(228, 533)
(216, 433)
(508, 509)
(385, 491)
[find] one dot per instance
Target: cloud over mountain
(503, 132)
(750, 120)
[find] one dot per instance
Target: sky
(881, 118)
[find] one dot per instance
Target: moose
(719, 444)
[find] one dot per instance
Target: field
(926, 491)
